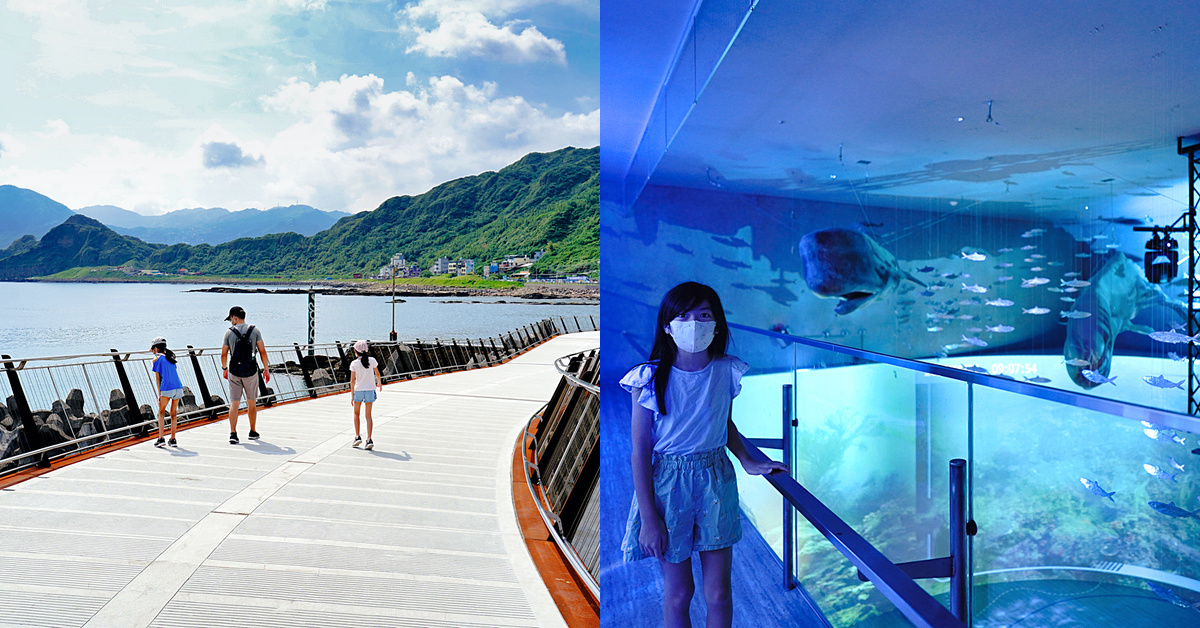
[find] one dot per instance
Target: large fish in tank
(1107, 307)
(851, 266)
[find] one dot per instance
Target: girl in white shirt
(364, 381)
(685, 489)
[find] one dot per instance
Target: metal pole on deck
(312, 319)
(958, 540)
(789, 556)
(392, 336)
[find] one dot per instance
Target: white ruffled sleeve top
(697, 404)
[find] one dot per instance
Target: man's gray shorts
(240, 385)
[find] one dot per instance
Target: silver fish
(1112, 245)
(1001, 329)
(1067, 299)
(974, 288)
(1083, 255)
(951, 346)
(1173, 337)
(974, 257)
(1177, 358)
(1053, 289)
(1003, 278)
(998, 302)
(1159, 473)
(1175, 464)
(1028, 260)
(1037, 256)
(1036, 310)
(1158, 381)
(1035, 281)
(974, 330)
(1074, 314)
(1004, 265)
(1070, 289)
(975, 369)
(1028, 247)
(964, 317)
(1148, 424)
(1077, 362)
(1055, 263)
(975, 341)
(1038, 379)
(1164, 436)
(1004, 250)
(1071, 274)
(1036, 269)
(1100, 237)
(1096, 490)
(1076, 283)
(935, 328)
(1093, 376)
(1033, 233)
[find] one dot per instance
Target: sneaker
(233, 439)
(357, 440)
(370, 444)
(160, 443)
(172, 443)
(253, 435)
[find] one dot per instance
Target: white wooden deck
(298, 528)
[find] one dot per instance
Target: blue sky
(157, 106)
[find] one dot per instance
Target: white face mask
(693, 336)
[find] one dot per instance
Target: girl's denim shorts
(697, 496)
(171, 394)
(365, 396)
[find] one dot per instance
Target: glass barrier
(873, 442)
(1081, 513)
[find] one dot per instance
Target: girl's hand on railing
(653, 537)
(764, 467)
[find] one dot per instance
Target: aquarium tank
(1006, 192)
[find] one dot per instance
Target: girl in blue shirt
(170, 387)
(685, 490)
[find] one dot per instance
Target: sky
(158, 106)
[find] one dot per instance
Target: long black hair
(162, 348)
(686, 296)
(366, 355)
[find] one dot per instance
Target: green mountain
(79, 241)
(213, 225)
(25, 212)
(547, 201)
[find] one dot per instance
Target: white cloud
(350, 145)
(464, 29)
(56, 128)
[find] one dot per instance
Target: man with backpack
(239, 367)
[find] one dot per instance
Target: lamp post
(392, 336)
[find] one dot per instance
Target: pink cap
(361, 346)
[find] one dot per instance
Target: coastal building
(441, 266)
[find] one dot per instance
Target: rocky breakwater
(67, 420)
(530, 293)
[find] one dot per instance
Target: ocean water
(54, 319)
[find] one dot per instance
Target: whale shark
(851, 266)
(1118, 292)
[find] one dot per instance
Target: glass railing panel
(1082, 515)
(872, 442)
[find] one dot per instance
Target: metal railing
(896, 581)
(55, 406)
(562, 463)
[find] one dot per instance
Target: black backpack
(242, 363)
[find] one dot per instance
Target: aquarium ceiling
(1066, 110)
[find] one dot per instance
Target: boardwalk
(298, 528)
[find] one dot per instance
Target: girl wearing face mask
(686, 496)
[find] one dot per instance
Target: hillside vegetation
(547, 201)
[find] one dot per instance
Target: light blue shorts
(698, 498)
(364, 396)
(171, 394)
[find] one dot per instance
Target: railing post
(308, 383)
(131, 404)
(789, 555)
(958, 540)
(343, 365)
(208, 403)
(593, 321)
(578, 327)
(31, 432)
